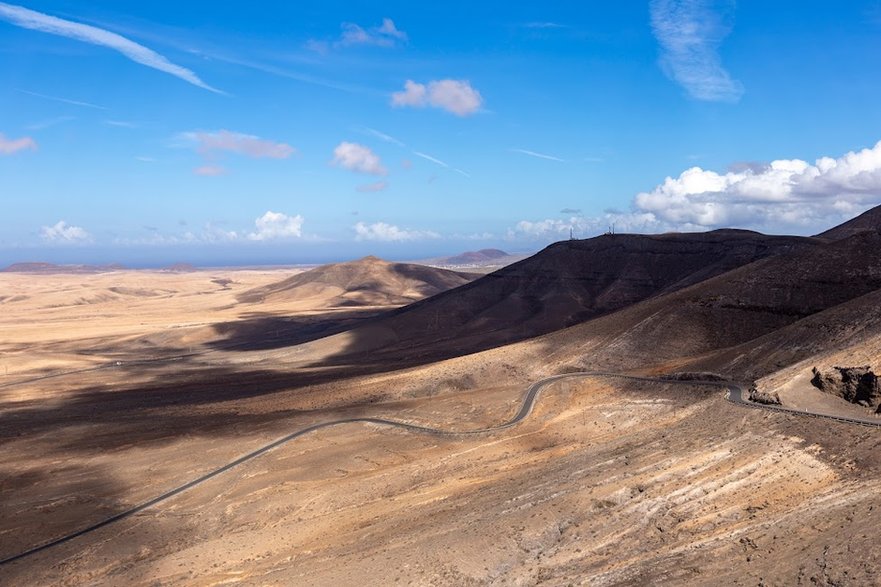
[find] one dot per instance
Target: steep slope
(366, 282)
(869, 220)
(567, 283)
(745, 323)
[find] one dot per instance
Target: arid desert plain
(121, 385)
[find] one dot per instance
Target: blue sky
(147, 133)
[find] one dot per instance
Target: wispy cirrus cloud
(63, 100)
(455, 96)
(407, 164)
(37, 21)
(294, 75)
(212, 144)
(434, 160)
(382, 136)
(544, 25)
(537, 155)
(49, 122)
(690, 33)
(11, 146)
(208, 142)
(120, 123)
(440, 163)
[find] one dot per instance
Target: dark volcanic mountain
(867, 221)
(747, 322)
(567, 283)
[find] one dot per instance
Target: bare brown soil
(606, 484)
(118, 386)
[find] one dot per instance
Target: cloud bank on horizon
(789, 191)
(382, 231)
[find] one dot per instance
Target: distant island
(476, 257)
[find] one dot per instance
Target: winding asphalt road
(734, 393)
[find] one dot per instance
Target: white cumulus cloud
(63, 233)
(783, 196)
(788, 192)
(30, 19)
(456, 96)
(690, 33)
(381, 231)
(276, 226)
(358, 158)
(413, 94)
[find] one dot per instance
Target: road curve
(734, 394)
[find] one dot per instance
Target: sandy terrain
(605, 484)
(73, 321)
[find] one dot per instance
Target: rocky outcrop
(858, 385)
(764, 397)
